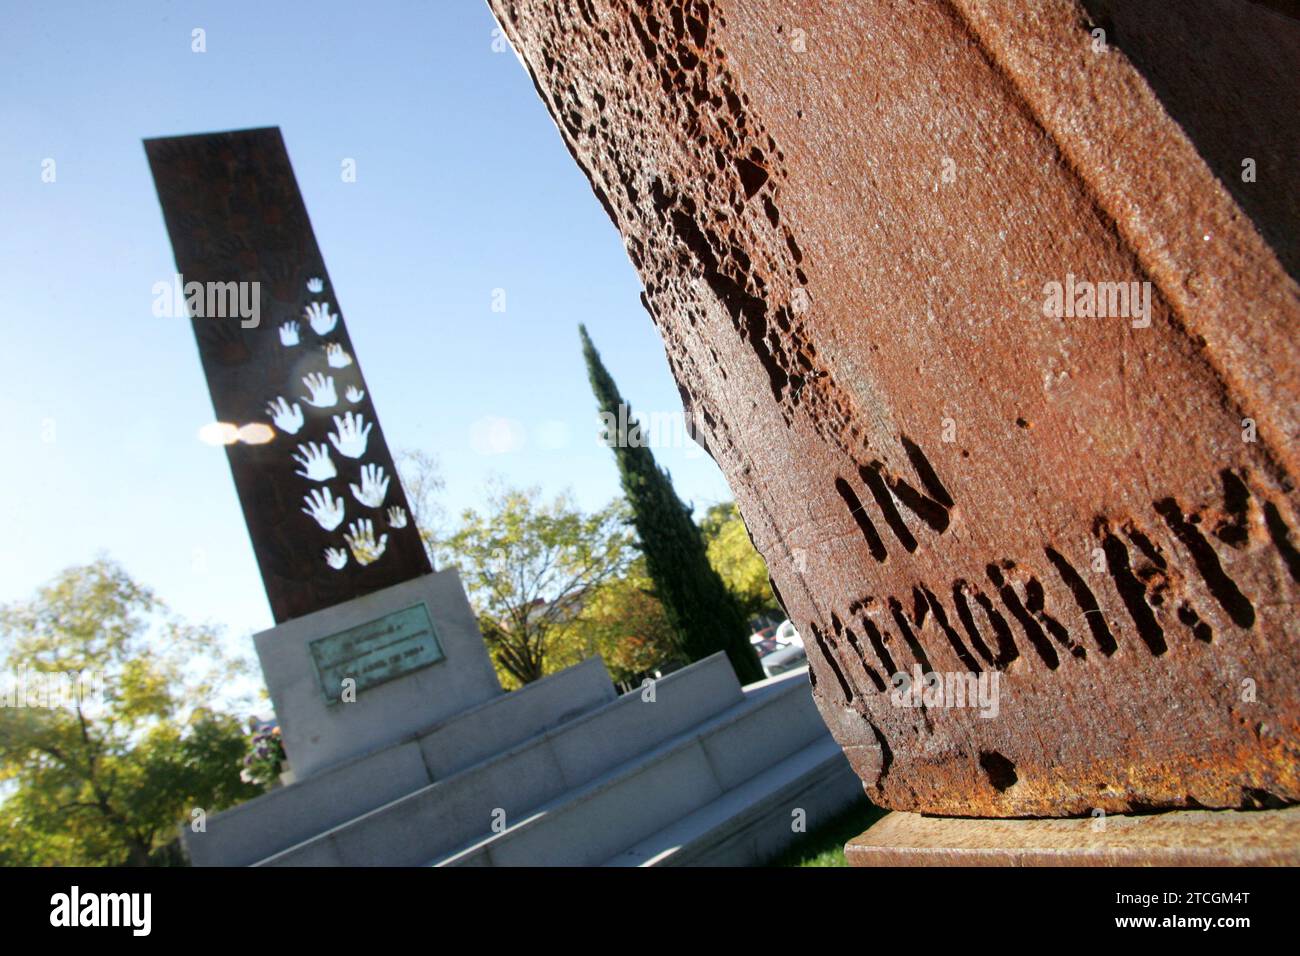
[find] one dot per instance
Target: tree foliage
(703, 613)
(529, 566)
(423, 483)
(104, 774)
(625, 623)
(737, 561)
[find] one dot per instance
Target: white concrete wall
(287, 816)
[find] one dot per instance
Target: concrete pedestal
(1175, 838)
(564, 772)
(320, 729)
(433, 764)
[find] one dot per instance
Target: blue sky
(463, 186)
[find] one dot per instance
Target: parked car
(764, 640)
(786, 634)
(787, 655)
(784, 658)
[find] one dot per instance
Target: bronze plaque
(376, 652)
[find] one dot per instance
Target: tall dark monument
(324, 506)
(370, 644)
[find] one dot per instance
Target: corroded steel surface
(847, 218)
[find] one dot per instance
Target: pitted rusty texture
(847, 217)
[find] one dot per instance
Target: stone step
(588, 825)
(434, 819)
(752, 823)
(289, 815)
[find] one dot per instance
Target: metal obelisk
(325, 509)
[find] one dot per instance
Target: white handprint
(321, 319)
(336, 557)
(287, 418)
(374, 486)
(289, 334)
(397, 517)
(315, 285)
(315, 460)
(324, 507)
(354, 394)
(322, 390)
(336, 357)
(360, 537)
(351, 437)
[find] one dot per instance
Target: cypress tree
(702, 611)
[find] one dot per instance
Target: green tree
(421, 475)
(529, 566)
(125, 738)
(625, 623)
(703, 613)
(737, 561)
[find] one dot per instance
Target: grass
(824, 844)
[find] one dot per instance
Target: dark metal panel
(234, 214)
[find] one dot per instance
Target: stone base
(321, 731)
(298, 811)
(564, 773)
(1175, 838)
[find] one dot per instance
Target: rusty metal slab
(1003, 378)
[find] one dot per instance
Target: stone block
(319, 733)
(1178, 838)
(342, 792)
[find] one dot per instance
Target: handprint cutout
(287, 418)
(322, 390)
(315, 284)
(321, 319)
(354, 394)
(336, 558)
(289, 334)
(336, 357)
(397, 517)
(351, 437)
(360, 537)
(374, 486)
(315, 460)
(324, 507)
